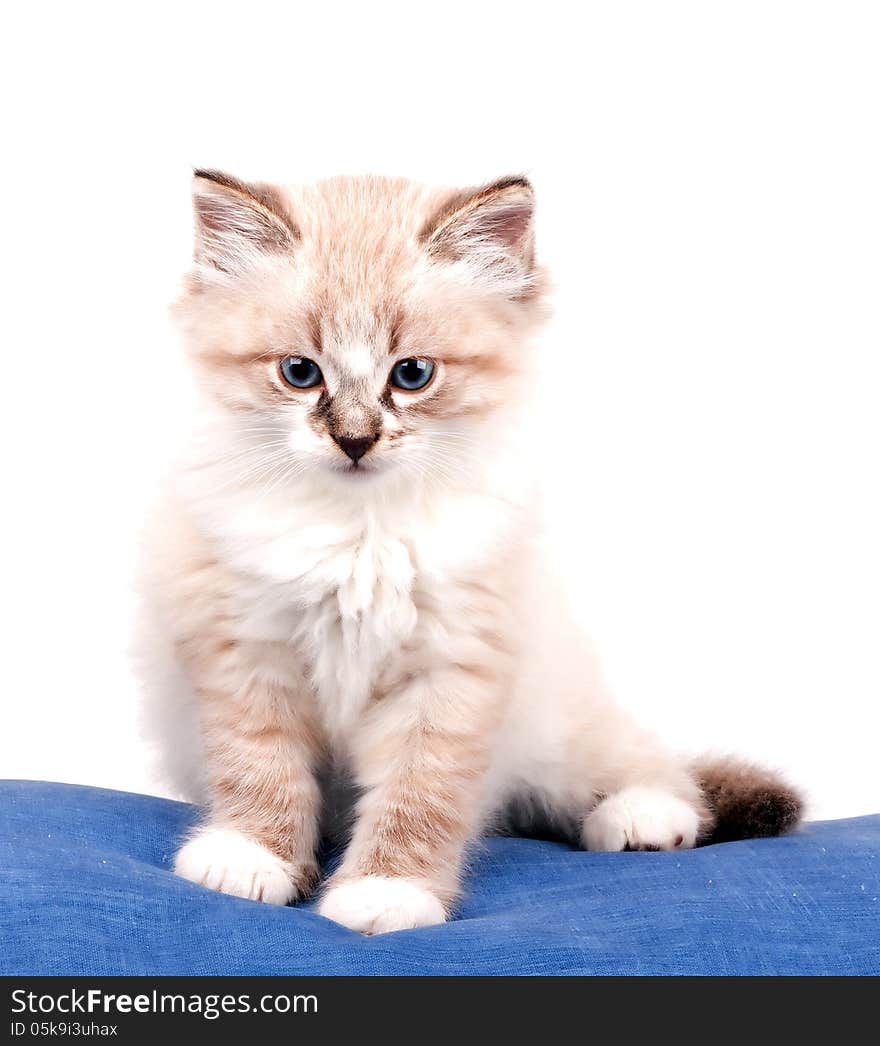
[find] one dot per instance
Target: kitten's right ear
(236, 223)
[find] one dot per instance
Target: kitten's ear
(491, 226)
(236, 222)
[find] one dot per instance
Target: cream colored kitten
(346, 574)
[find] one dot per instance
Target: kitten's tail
(745, 801)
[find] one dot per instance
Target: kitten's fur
(394, 620)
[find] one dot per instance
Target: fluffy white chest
(363, 614)
(341, 599)
(337, 587)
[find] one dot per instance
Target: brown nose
(356, 446)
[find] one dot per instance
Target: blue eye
(301, 373)
(412, 374)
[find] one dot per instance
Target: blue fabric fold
(86, 888)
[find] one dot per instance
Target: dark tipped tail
(745, 801)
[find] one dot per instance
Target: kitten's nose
(356, 446)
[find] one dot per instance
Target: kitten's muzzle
(356, 446)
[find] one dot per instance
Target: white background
(708, 178)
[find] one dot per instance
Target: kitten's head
(363, 327)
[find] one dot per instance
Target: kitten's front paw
(232, 863)
(641, 819)
(376, 904)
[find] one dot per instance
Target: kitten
(346, 572)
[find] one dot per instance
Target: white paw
(232, 863)
(641, 819)
(376, 904)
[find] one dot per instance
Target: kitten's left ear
(491, 226)
(237, 222)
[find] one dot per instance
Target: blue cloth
(86, 888)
